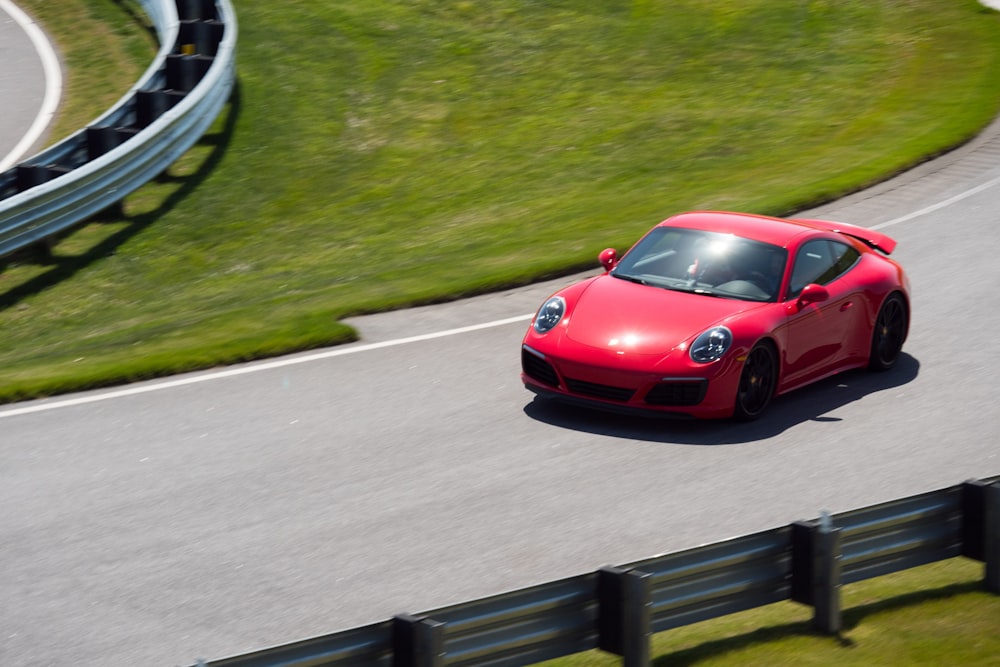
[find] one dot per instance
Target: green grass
(104, 46)
(937, 614)
(385, 153)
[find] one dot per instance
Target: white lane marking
(339, 351)
(941, 204)
(53, 82)
(134, 390)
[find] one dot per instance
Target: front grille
(599, 390)
(538, 369)
(689, 392)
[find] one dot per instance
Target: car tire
(758, 380)
(889, 332)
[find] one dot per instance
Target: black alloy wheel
(757, 383)
(890, 331)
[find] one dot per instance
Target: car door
(819, 335)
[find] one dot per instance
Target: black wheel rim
(757, 381)
(889, 331)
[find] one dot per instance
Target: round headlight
(549, 314)
(711, 344)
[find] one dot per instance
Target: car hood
(618, 314)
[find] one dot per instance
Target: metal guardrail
(618, 608)
(160, 118)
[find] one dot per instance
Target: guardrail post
(973, 519)
(151, 104)
(200, 36)
(196, 9)
(816, 570)
(417, 641)
(826, 603)
(991, 538)
(31, 175)
(184, 72)
(624, 618)
(802, 565)
(981, 528)
(104, 138)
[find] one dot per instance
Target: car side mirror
(812, 293)
(608, 258)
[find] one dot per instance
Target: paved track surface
(218, 513)
(29, 85)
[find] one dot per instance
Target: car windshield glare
(701, 261)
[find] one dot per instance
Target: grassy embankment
(381, 154)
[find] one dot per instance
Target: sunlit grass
(104, 47)
(938, 614)
(383, 153)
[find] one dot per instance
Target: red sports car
(713, 314)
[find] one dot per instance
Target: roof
(776, 231)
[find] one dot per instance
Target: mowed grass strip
(104, 47)
(936, 614)
(384, 153)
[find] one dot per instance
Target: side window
(844, 257)
(821, 262)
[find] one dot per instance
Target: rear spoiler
(869, 237)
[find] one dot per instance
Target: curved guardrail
(161, 117)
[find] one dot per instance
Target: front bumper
(700, 391)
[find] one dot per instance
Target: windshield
(705, 262)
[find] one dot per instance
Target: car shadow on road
(812, 403)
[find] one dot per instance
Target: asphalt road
(30, 84)
(222, 512)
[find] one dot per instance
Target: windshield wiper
(707, 291)
(631, 279)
